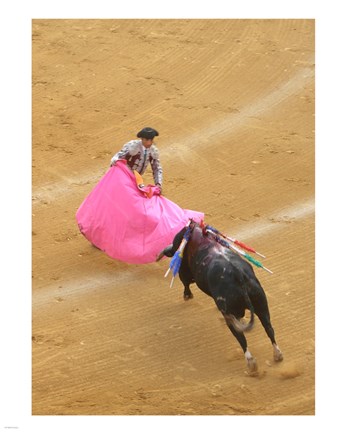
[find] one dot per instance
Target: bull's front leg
(186, 279)
(187, 292)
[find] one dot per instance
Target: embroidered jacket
(138, 157)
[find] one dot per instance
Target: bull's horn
(160, 255)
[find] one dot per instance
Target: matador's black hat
(148, 133)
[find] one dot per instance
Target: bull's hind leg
(264, 317)
(250, 360)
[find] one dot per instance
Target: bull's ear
(168, 252)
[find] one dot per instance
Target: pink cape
(120, 219)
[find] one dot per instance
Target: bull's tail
(240, 326)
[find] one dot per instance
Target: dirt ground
(234, 103)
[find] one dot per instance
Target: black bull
(229, 280)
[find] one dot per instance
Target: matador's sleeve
(128, 150)
(156, 166)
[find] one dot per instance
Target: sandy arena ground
(234, 103)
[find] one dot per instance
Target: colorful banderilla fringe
(235, 241)
(216, 234)
(175, 263)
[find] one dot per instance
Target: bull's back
(216, 268)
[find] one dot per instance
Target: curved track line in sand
(228, 125)
(290, 214)
(263, 105)
(81, 286)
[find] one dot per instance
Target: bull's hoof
(277, 354)
(278, 357)
(252, 366)
(188, 296)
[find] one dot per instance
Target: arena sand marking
(289, 214)
(262, 106)
(77, 287)
(231, 123)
